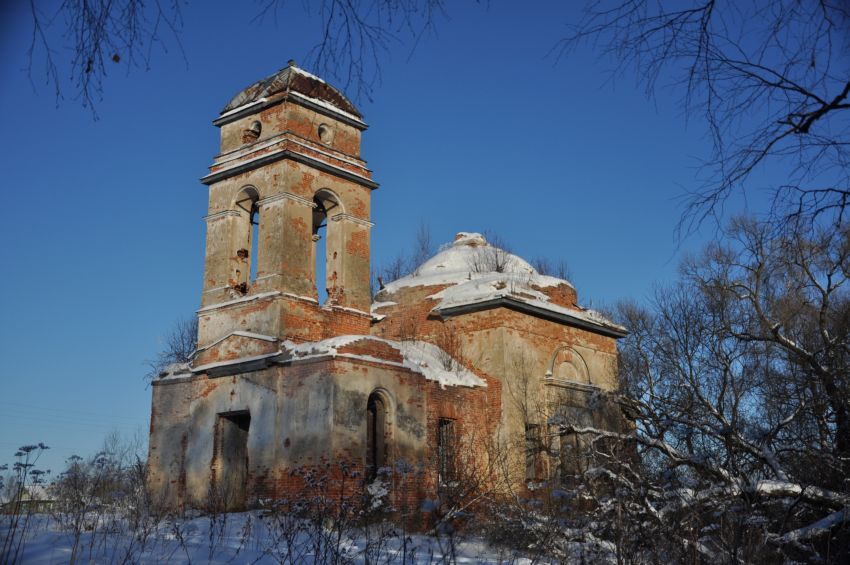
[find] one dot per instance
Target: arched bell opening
(245, 239)
(327, 246)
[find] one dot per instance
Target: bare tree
(406, 263)
(99, 34)
(494, 257)
(769, 77)
(423, 247)
(737, 377)
(178, 346)
(356, 35)
(558, 268)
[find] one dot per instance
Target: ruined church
(474, 355)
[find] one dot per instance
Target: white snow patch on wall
(379, 305)
(176, 370)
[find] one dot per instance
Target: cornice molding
(222, 214)
(353, 219)
(286, 196)
(291, 96)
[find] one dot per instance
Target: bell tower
(288, 230)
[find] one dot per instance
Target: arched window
(376, 434)
(567, 364)
(245, 239)
(326, 254)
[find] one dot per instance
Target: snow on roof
(240, 333)
(471, 257)
(469, 296)
(301, 71)
(176, 370)
(478, 272)
(420, 357)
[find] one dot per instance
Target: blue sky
(477, 129)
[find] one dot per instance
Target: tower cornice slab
(353, 219)
(291, 153)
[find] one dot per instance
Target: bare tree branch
(769, 78)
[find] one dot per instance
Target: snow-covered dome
(469, 258)
(293, 79)
(470, 252)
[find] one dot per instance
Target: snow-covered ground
(249, 537)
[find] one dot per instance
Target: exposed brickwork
(373, 349)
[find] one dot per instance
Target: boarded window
(574, 456)
(231, 459)
(571, 458)
(446, 445)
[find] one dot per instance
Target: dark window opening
(376, 435)
(231, 460)
(446, 445)
(252, 134)
(325, 134)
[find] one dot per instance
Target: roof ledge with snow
(421, 357)
(426, 359)
(584, 319)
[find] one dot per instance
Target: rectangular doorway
(231, 460)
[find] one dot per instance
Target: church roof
(293, 79)
(473, 274)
